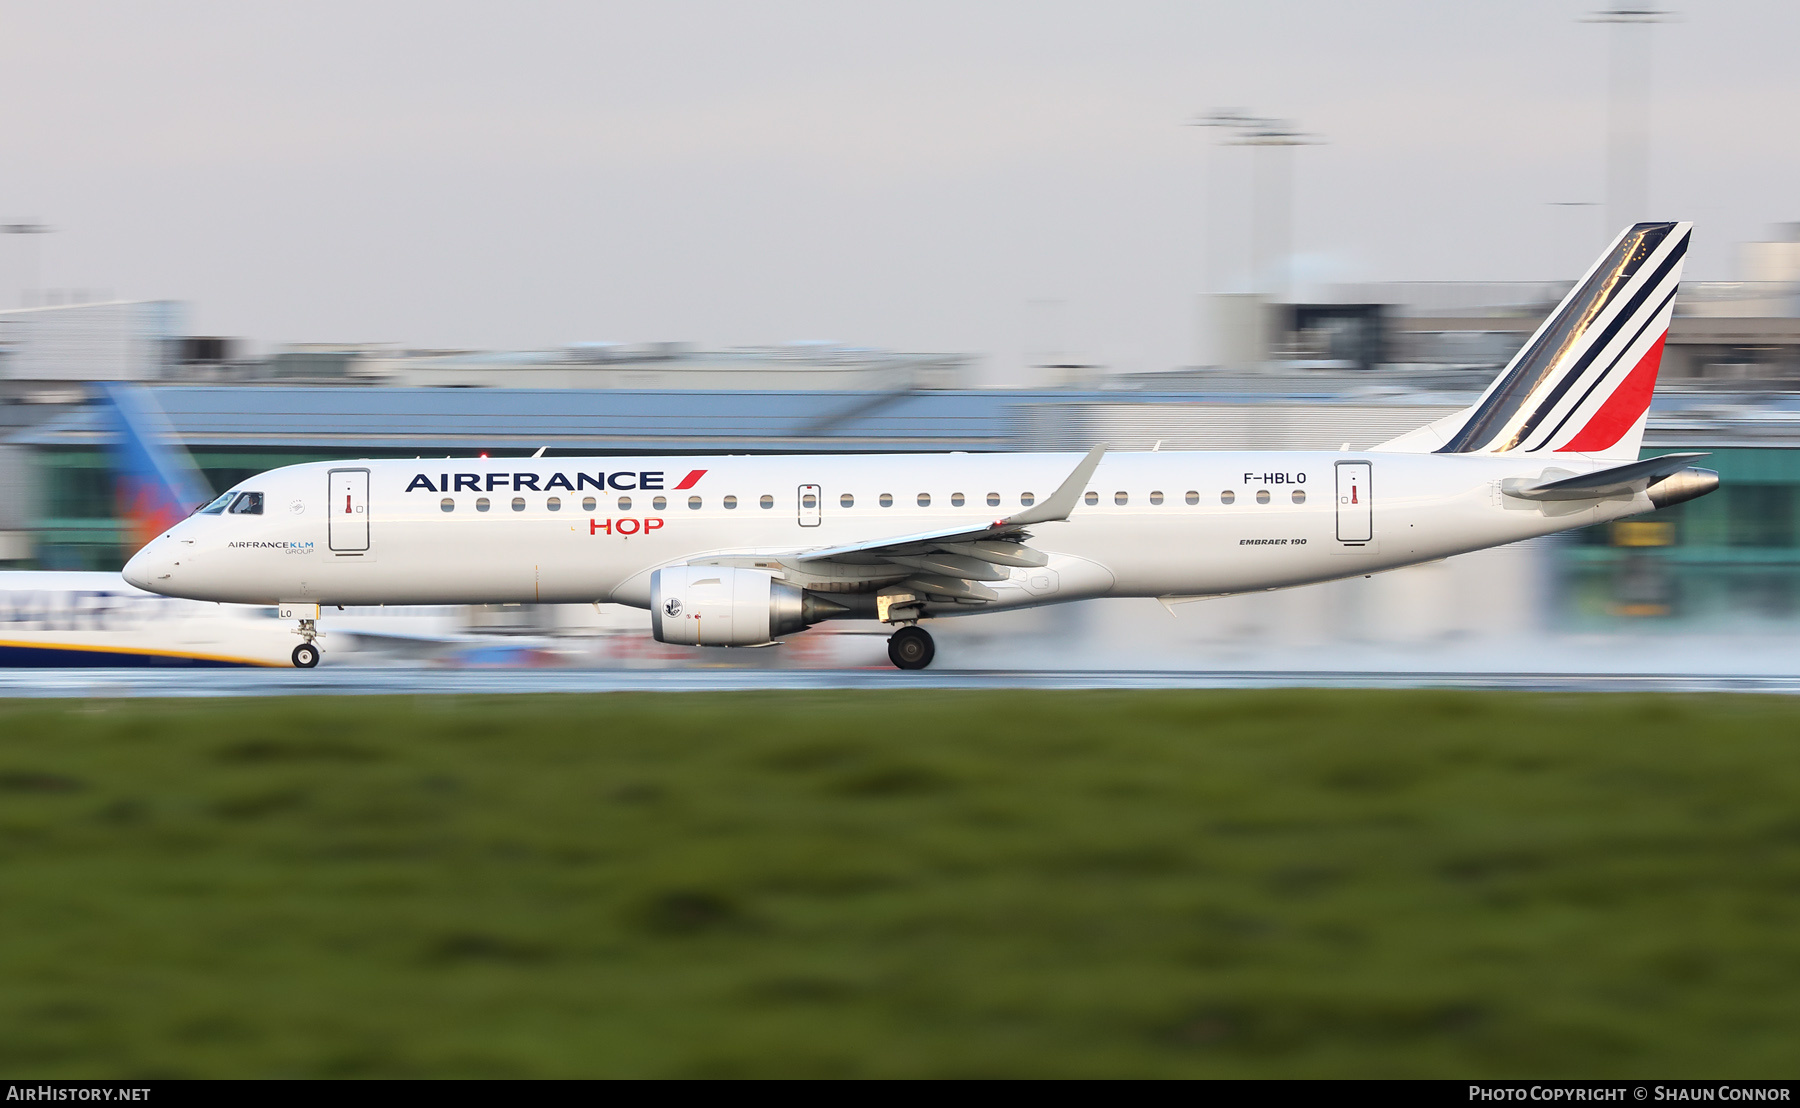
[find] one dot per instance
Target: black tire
(306, 656)
(911, 648)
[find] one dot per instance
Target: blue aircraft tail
(154, 480)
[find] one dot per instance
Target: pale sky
(991, 178)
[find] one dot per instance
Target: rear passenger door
(1355, 520)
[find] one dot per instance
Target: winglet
(1061, 502)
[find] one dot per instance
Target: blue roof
(600, 420)
(346, 420)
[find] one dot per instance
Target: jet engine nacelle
(723, 606)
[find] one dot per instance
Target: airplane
(744, 550)
(88, 619)
(70, 619)
(85, 619)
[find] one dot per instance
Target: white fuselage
(1159, 524)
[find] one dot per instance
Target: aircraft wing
(1054, 508)
(952, 563)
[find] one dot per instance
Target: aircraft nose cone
(145, 568)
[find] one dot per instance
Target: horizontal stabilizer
(1606, 482)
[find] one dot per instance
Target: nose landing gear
(306, 655)
(911, 647)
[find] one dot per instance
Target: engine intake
(726, 606)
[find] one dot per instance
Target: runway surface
(349, 681)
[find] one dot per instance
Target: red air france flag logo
(691, 479)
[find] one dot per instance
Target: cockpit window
(247, 504)
(218, 505)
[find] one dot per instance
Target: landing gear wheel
(911, 648)
(306, 656)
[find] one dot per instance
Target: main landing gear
(911, 647)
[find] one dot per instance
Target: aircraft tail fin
(155, 481)
(1582, 383)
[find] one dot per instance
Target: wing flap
(957, 588)
(952, 565)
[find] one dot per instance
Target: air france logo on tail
(1583, 382)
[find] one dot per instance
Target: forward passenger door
(347, 508)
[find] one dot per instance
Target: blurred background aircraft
(1038, 232)
(94, 618)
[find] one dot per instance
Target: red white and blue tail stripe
(1582, 384)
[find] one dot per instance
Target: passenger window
(887, 500)
(1156, 498)
(624, 503)
(448, 504)
(1262, 496)
(730, 503)
(924, 500)
(588, 504)
(809, 500)
(694, 503)
(1121, 498)
(554, 504)
(1092, 497)
(1227, 497)
(1027, 499)
(660, 503)
(1193, 496)
(993, 500)
(481, 503)
(956, 500)
(1299, 496)
(248, 504)
(767, 501)
(847, 501)
(518, 504)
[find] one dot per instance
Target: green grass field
(1295, 883)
